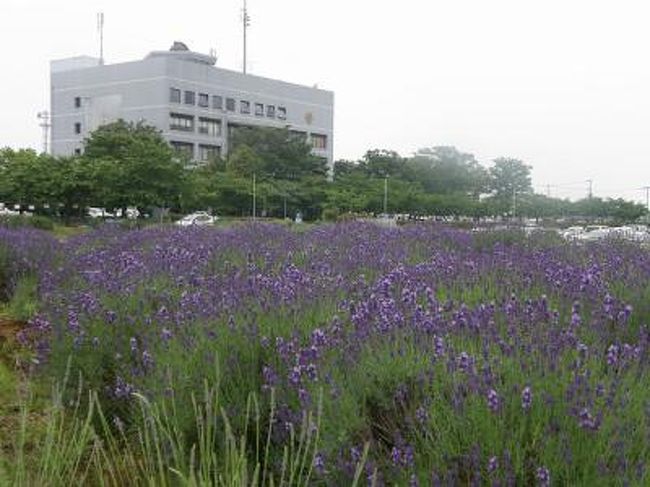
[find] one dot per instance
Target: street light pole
(385, 195)
(254, 198)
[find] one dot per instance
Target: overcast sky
(562, 84)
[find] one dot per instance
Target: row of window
(206, 152)
(259, 109)
(212, 128)
(318, 141)
(185, 123)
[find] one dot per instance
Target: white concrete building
(194, 103)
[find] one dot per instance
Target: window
(259, 109)
(174, 95)
(210, 126)
(319, 141)
(184, 149)
(245, 106)
(230, 104)
(282, 113)
(77, 152)
(217, 102)
(190, 97)
(77, 102)
(270, 111)
(299, 134)
(209, 152)
(203, 100)
(178, 121)
(77, 128)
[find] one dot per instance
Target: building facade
(195, 104)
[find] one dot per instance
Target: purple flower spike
(421, 415)
(543, 477)
(493, 400)
(319, 463)
(526, 398)
(612, 355)
(396, 456)
(493, 464)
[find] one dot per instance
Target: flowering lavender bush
(456, 360)
(23, 252)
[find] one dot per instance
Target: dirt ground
(9, 329)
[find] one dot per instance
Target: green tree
(446, 170)
(281, 153)
(27, 178)
(132, 165)
(244, 162)
(509, 180)
(381, 163)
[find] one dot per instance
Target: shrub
(330, 214)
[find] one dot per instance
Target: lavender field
(346, 354)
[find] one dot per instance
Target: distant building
(195, 104)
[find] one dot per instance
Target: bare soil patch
(9, 330)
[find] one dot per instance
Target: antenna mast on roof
(246, 22)
(100, 28)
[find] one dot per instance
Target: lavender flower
(493, 400)
(319, 463)
(493, 464)
(421, 415)
(612, 355)
(526, 398)
(396, 456)
(543, 476)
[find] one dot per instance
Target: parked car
(572, 233)
(199, 218)
(4, 211)
(99, 213)
(132, 213)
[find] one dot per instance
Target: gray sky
(562, 84)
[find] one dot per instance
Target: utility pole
(100, 28)
(246, 23)
(45, 124)
(590, 182)
(254, 196)
(548, 190)
(385, 195)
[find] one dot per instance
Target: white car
(4, 211)
(595, 232)
(132, 213)
(199, 218)
(572, 233)
(99, 213)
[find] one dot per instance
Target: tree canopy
(131, 164)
